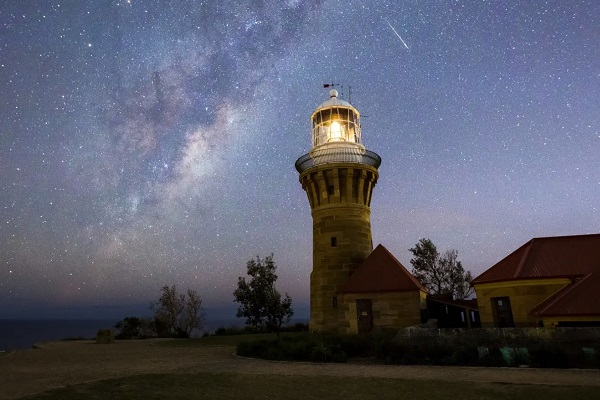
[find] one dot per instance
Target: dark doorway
(503, 312)
(364, 315)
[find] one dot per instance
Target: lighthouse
(338, 176)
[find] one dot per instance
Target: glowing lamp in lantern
(335, 121)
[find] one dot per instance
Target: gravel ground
(58, 364)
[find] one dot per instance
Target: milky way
(145, 143)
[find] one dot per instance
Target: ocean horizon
(19, 334)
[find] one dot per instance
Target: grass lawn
(238, 386)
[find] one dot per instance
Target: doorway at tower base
(380, 295)
(366, 312)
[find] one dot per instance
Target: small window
(462, 316)
(331, 190)
(334, 301)
(333, 242)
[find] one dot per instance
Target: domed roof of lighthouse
(336, 136)
(334, 101)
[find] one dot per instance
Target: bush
(298, 348)
(547, 355)
(233, 330)
(492, 359)
(464, 355)
(304, 347)
(430, 350)
(352, 345)
(254, 348)
(321, 353)
(425, 351)
(589, 357)
(297, 327)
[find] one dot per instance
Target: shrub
(549, 355)
(297, 348)
(234, 330)
(297, 327)
(352, 345)
(254, 348)
(390, 350)
(320, 353)
(424, 350)
(339, 357)
(464, 355)
(492, 359)
(589, 357)
(305, 347)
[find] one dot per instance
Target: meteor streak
(397, 34)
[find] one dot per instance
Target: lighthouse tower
(338, 175)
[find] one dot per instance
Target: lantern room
(335, 121)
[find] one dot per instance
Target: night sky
(145, 142)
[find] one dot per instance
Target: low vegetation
(246, 330)
(391, 349)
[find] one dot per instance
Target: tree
(259, 301)
(129, 328)
(177, 315)
(440, 274)
(193, 315)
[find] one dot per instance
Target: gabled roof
(581, 298)
(381, 272)
(548, 257)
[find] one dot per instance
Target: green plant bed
(295, 348)
(304, 347)
(413, 351)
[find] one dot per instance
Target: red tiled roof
(581, 298)
(549, 257)
(381, 272)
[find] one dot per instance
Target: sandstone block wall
(391, 310)
(524, 296)
(340, 196)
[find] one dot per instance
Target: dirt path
(65, 363)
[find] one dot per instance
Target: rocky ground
(57, 364)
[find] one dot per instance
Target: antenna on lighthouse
(331, 85)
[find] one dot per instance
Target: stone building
(350, 287)
(550, 281)
(381, 294)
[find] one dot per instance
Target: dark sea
(18, 334)
(22, 334)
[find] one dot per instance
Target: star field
(147, 142)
